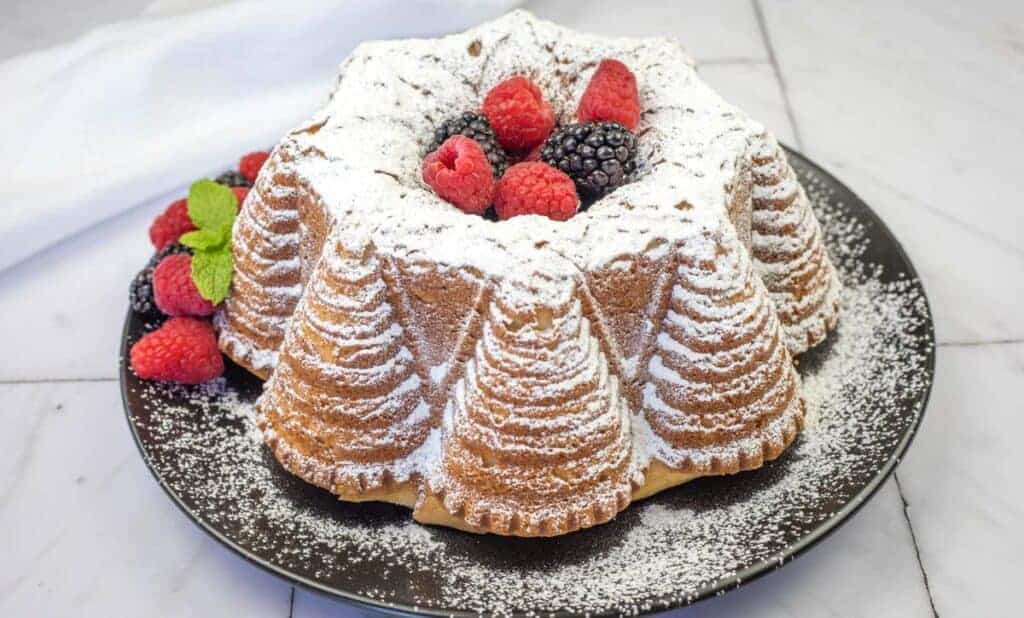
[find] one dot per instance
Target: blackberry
(231, 178)
(476, 127)
(140, 292)
(598, 156)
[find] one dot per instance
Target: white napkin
(133, 110)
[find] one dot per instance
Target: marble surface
(913, 105)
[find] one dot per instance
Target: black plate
(200, 450)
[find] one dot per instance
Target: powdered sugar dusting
(365, 159)
(665, 551)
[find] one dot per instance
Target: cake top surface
(362, 152)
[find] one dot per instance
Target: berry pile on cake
(517, 278)
(470, 156)
(178, 291)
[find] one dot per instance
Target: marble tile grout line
(20, 381)
(913, 539)
(774, 61)
(976, 344)
(727, 61)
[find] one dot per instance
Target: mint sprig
(211, 270)
(211, 205)
(212, 208)
(204, 240)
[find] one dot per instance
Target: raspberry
(169, 226)
(518, 113)
(535, 188)
(175, 292)
(611, 95)
(240, 193)
(475, 127)
(140, 292)
(458, 171)
(251, 164)
(182, 350)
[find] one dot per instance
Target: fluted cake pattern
(528, 377)
(344, 409)
(789, 251)
(536, 438)
(267, 280)
(722, 395)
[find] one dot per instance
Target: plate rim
(663, 603)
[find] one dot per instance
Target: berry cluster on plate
(510, 159)
(188, 277)
(507, 160)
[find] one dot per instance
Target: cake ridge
(367, 417)
(582, 457)
(788, 250)
(688, 408)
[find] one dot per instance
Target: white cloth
(133, 110)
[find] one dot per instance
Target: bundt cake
(525, 377)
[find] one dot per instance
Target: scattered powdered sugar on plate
(864, 389)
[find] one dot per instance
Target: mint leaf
(212, 208)
(211, 205)
(206, 239)
(211, 272)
